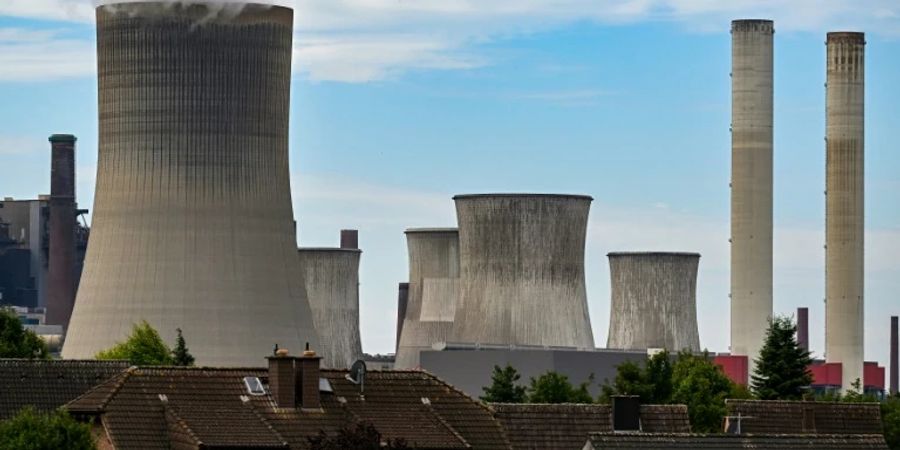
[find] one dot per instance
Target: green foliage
(890, 419)
(703, 387)
(143, 348)
(181, 356)
(553, 387)
(782, 370)
(856, 394)
(364, 437)
(30, 430)
(503, 388)
(16, 341)
(653, 382)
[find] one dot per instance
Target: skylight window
(254, 386)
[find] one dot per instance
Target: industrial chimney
(844, 206)
(803, 328)
(894, 366)
(61, 270)
(751, 184)
(654, 301)
(522, 270)
(193, 226)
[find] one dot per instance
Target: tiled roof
(602, 441)
(212, 406)
(49, 384)
(567, 426)
(796, 417)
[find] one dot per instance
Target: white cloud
(29, 55)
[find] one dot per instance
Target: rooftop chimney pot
(350, 239)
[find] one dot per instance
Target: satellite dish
(357, 374)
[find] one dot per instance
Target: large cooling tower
(193, 226)
(844, 119)
(332, 284)
(654, 301)
(522, 270)
(751, 185)
(433, 292)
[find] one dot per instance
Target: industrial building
(193, 226)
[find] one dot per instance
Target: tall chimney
(844, 125)
(894, 375)
(61, 287)
(751, 184)
(402, 299)
(282, 379)
(349, 239)
(803, 328)
(308, 379)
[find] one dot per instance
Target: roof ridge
(118, 380)
(446, 425)
(266, 423)
(169, 411)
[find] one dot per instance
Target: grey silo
(654, 301)
(751, 184)
(193, 226)
(432, 293)
(845, 202)
(331, 276)
(522, 270)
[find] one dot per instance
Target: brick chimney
(308, 379)
(350, 239)
(282, 379)
(626, 413)
(803, 328)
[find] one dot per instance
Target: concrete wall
(751, 184)
(332, 286)
(193, 226)
(432, 295)
(654, 301)
(28, 224)
(522, 270)
(844, 206)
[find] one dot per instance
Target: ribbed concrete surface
(432, 297)
(332, 285)
(654, 301)
(522, 270)
(751, 184)
(845, 201)
(193, 226)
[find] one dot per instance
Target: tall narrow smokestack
(61, 271)
(350, 239)
(894, 368)
(844, 117)
(803, 328)
(751, 184)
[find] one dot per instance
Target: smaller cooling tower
(332, 285)
(432, 293)
(654, 301)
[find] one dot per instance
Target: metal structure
(844, 206)
(61, 272)
(751, 184)
(803, 328)
(432, 293)
(193, 226)
(654, 301)
(522, 270)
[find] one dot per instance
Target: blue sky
(398, 105)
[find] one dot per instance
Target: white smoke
(216, 9)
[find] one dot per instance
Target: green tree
(363, 437)
(653, 382)
(782, 369)
(890, 419)
(31, 430)
(16, 341)
(504, 387)
(553, 387)
(143, 347)
(181, 356)
(703, 387)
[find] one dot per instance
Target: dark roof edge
(523, 195)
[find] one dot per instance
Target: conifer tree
(180, 355)
(782, 367)
(503, 388)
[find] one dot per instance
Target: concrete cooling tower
(844, 205)
(751, 184)
(432, 294)
(522, 270)
(332, 284)
(193, 226)
(654, 301)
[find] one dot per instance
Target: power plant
(844, 206)
(193, 226)
(332, 285)
(522, 270)
(654, 301)
(751, 184)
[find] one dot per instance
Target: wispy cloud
(40, 55)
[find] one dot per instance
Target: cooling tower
(654, 301)
(332, 285)
(522, 270)
(432, 294)
(751, 185)
(61, 287)
(193, 226)
(844, 109)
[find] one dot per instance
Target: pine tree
(782, 367)
(181, 355)
(503, 388)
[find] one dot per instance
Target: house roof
(797, 417)
(567, 426)
(151, 407)
(602, 441)
(49, 384)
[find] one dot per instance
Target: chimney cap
(63, 138)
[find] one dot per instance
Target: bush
(553, 387)
(143, 347)
(16, 341)
(30, 430)
(504, 387)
